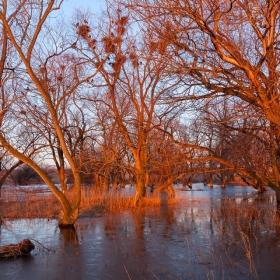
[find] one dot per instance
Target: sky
(69, 6)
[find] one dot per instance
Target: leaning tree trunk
(70, 214)
(70, 211)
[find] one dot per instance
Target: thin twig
(127, 272)
(42, 245)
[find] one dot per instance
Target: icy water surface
(215, 234)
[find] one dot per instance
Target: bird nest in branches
(109, 46)
(83, 30)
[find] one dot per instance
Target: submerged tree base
(68, 220)
(62, 225)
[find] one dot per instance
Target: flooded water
(216, 234)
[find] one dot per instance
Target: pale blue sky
(69, 6)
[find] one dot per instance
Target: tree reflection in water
(69, 235)
(233, 234)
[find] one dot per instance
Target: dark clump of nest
(123, 20)
(118, 40)
(121, 25)
(42, 70)
(132, 56)
(109, 45)
(162, 47)
(59, 78)
(159, 47)
(168, 27)
(52, 89)
(120, 60)
(153, 46)
(135, 63)
(83, 30)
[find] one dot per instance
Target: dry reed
(242, 229)
(28, 204)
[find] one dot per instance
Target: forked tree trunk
(171, 190)
(163, 187)
(166, 185)
(68, 218)
(62, 180)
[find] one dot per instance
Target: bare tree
(30, 47)
(131, 84)
(222, 48)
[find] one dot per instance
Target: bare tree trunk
(62, 179)
(140, 157)
(223, 179)
(205, 179)
(166, 185)
(61, 171)
(211, 180)
(190, 181)
(140, 186)
(171, 190)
